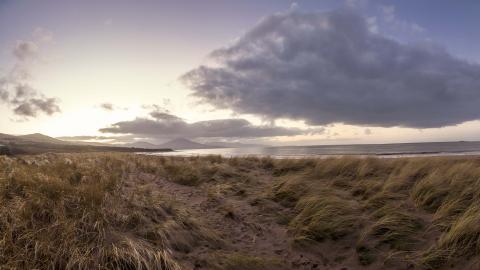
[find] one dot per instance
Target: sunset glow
(137, 57)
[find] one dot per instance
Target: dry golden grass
(404, 204)
(89, 211)
(84, 212)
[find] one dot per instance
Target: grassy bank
(125, 211)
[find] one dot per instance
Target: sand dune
(124, 211)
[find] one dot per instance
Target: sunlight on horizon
(142, 63)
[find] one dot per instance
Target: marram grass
(91, 211)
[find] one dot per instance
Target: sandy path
(241, 225)
(253, 229)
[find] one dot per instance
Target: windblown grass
(80, 212)
(89, 211)
(324, 217)
(395, 227)
(405, 204)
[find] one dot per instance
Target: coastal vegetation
(127, 211)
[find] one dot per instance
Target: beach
(392, 150)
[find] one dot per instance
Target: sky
(275, 72)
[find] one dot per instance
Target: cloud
(26, 101)
(389, 16)
(163, 116)
(25, 50)
(372, 24)
(163, 125)
(42, 35)
(107, 106)
(356, 3)
(30, 107)
(88, 138)
(46, 105)
(83, 138)
(15, 89)
(328, 67)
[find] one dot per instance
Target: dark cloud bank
(165, 125)
(328, 67)
(15, 89)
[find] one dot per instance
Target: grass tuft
(324, 217)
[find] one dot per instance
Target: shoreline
(190, 153)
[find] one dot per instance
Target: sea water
(380, 150)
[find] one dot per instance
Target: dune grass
(424, 210)
(84, 211)
(325, 216)
(395, 227)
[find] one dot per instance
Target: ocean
(379, 150)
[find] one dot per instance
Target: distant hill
(182, 143)
(235, 144)
(145, 145)
(38, 143)
(40, 138)
(4, 138)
